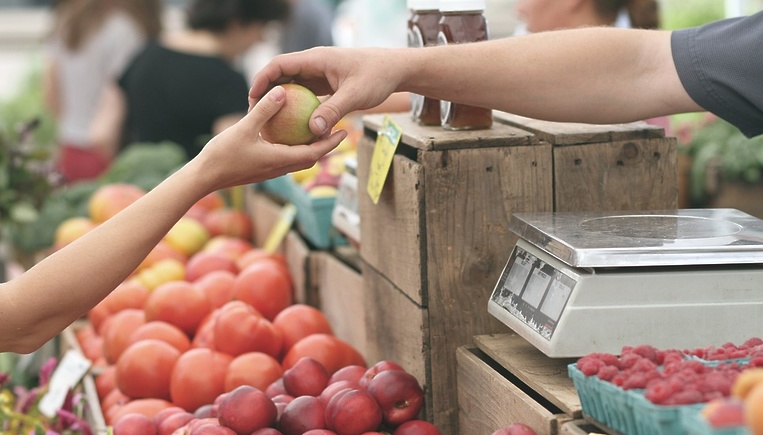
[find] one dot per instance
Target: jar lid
(462, 5)
(423, 5)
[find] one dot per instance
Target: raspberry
(686, 397)
(647, 351)
(643, 365)
(606, 373)
(629, 360)
(590, 366)
(752, 342)
(636, 380)
(658, 392)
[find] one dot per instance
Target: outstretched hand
(351, 78)
(239, 155)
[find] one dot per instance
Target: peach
(724, 412)
(417, 427)
(246, 409)
(307, 377)
(70, 230)
(377, 368)
(398, 394)
(174, 421)
(353, 412)
(134, 424)
(302, 414)
(187, 236)
(110, 199)
(290, 125)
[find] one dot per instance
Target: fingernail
(320, 123)
(277, 94)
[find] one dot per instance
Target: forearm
(595, 75)
(84, 272)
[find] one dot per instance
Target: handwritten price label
(386, 143)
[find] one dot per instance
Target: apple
(416, 427)
(515, 429)
(398, 394)
(307, 377)
(246, 409)
(348, 373)
(377, 368)
(302, 414)
(290, 125)
(353, 412)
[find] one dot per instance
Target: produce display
(205, 337)
(648, 390)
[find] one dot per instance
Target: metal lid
(682, 237)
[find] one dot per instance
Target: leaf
(23, 212)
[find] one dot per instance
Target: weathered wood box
(502, 379)
(435, 243)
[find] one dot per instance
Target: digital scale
(578, 283)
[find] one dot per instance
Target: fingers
(330, 112)
(265, 108)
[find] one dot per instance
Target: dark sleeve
(720, 65)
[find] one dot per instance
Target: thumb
(266, 107)
(329, 113)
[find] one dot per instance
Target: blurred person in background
(309, 25)
(187, 86)
(545, 15)
(91, 43)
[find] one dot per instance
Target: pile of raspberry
(668, 377)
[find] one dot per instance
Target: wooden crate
(341, 296)
(434, 245)
(302, 262)
(504, 380)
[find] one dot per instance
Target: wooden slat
(570, 133)
(429, 138)
(489, 401)
(470, 196)
(625, 175)
(302, 265)
(547, 376)
(392, 229)
(342, 294)
(264, 212)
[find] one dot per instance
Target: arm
(109, 119)
(593, 75)
(43, 301)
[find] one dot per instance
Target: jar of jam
(423, 28)
(463, 21)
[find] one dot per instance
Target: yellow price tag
(279, 230)
(386, 144)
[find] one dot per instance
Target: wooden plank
(264, 212)
(579, 427)
(625, 175)
(341, 292)
(571, 133)
(397, 329)
(488, 400)
(470, 195)
(392, 229)
(547, 376)
(303, 267)
(429, 138)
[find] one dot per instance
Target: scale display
(533, 291)
(577, 283)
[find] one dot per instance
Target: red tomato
(147, 407)
(265, 286)
(217, 286)
(144, 369)
(117, 329)
(163, 331)
(254, 368)
(239, 329)
(179, 303)
(297, 321)
(327, 349)
(198, 378)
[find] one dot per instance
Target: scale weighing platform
(585, 282)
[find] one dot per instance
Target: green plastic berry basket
(651, 418)
(604, 401)
(695, 424)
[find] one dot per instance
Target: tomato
(113, 399)
(256, 254)
(198, 378)
(105, 381)
(98, 315)
(217, 286)
(117, 329)
(256, 369)
(161, 251)
(144, 369)
(205, 334)
(178, 303)
(202, 263)
(265, 286)
(239, 329)
(163, 331)
(228, 222)
(298, 321)
(329, 350)
(128, 294)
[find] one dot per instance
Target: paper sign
(69, 372)
(281, 228)
(386, 144)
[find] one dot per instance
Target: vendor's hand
(353, 79)
(239, 155)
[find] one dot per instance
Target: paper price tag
(69, 372)
(386, 143)
(278, 233)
